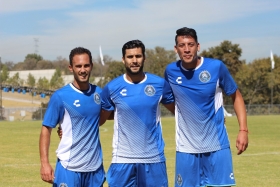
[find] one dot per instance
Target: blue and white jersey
(199, 113)
(78, 114)
(137, 122)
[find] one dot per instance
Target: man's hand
(47, 173)
(242, 141)
(59, 132)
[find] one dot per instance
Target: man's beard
(128, 70)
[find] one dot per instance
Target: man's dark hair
(79, 51)
(185, 31)
(133, 44)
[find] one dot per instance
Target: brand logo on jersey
(123, 92)
(96, 98)
(204, 76)
(63, 185)
(76, 103)
(150, 90)
(179, 80)
(179, 180)
(231, 176)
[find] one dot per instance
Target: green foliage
(62, 64)
(4, 73)
(98, 70)
(44, 64)
(56, 80)
(31, 80)
(30, 62)
(228, 53)
(157, 59)
(9, 65)
(115, 69)
(34, 56)
(43, 84)
(253, 80)
(33, 62)
(256, 80)
(15, 80)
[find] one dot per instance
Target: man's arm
(170, 107)
(47, 173)
(104, 115)
(240, 110)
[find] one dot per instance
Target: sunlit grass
(257, 167)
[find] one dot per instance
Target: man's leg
(218, 169)
(188, 171)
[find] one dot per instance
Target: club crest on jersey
(204, 76)
(96, 98)
(179, 180)
(150, 90)
(63, 185)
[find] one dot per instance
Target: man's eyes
(136, 56)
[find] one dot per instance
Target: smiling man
(203, 155)
(76, 108)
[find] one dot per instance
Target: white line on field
(13, 165)
(259, 154)
(102, 129)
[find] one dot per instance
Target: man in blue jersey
(76, 108)
(138, 146)
(203, 155)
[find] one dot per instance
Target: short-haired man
(138, 146)
(203, 155)
(76, 108)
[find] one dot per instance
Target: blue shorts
(64, 177)
(204, 169)
(137, 175)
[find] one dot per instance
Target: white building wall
(47, 73)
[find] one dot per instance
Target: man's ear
(70, 68)
(175, 49)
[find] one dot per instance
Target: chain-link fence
(37, 113)
(257, 109)
(23, 113)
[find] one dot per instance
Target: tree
(98, 70)
(62, 64)
(9, 65)
(255, 81)
(56, 80)
(157, 59)
(44, 64)
(4, 73)
(115, 69)
(31, 80)
(228, 53)
(34, 56)
(19, 66)
(43, 84)
(15, 81)
(29, 63)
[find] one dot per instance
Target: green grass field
(259, 166)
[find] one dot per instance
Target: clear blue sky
(59, 26)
